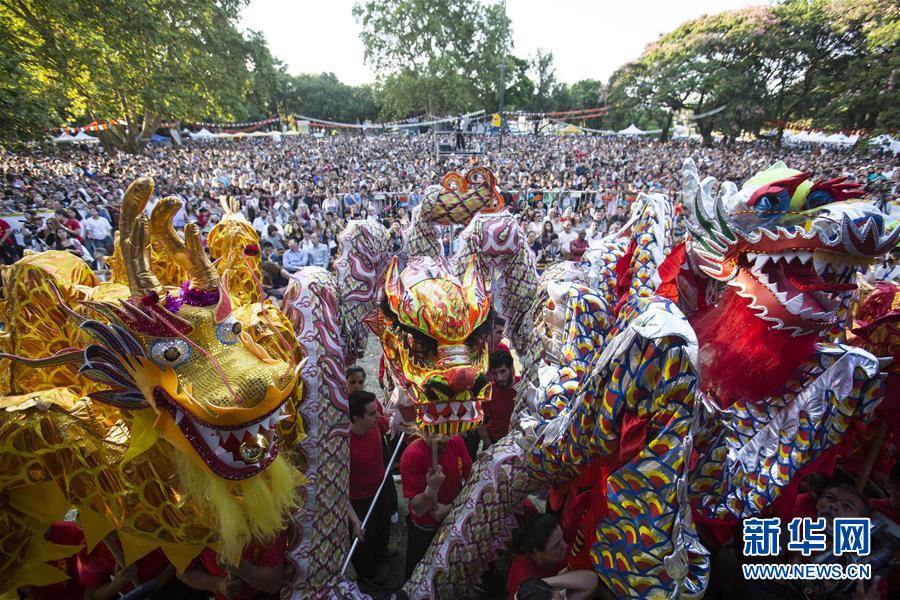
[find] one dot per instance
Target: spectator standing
(97, 231)
(9, 249)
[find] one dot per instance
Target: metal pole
(387, 473)
(502, 85)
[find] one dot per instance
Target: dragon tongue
(806, 279)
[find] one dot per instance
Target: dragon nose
(460, 379)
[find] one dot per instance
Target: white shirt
(566, 238)
(96, 228)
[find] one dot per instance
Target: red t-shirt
(260, 555)
(75, 226)
(498, 411)
(414, 465)
(11, 240)
(522, 568)
(578, 247)
(366, 464)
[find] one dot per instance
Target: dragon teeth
(795, 304)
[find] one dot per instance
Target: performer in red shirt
(95, 574)
(366, 473)
(542, 553)
(430, 491)
(499, 409)
(260, 574)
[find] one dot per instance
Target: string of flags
(396, 124)
(247, 126)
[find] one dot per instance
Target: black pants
(472, 439)
(10, 254)
(378, 531)
(417, 541)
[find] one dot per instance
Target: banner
(17, 220)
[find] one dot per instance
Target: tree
(828, 63)
(438, 57)
(141, 61)
(545, 80)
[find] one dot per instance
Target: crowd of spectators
(568, 192)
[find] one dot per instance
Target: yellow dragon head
(217, 395)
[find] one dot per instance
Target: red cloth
(522, 568)
(498, 411)
(578, 247)
(414, 465)
(11, 240)
(65, 533)
(890, 585)
(260, 555)
(366, 464)
(74, 225)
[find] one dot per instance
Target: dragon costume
(164, 413)
(668, 390)
(153, 410)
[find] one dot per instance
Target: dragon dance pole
(387, 473)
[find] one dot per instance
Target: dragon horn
(134, 241)
(187, 253)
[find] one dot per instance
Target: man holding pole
(433, 472)
(366, 473)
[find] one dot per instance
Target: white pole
(387, 474)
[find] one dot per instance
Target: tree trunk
(664, 134)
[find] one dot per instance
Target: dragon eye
(229, 331)
(170, 353)
(763, 204)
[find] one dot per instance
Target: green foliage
(828, 63)
(438, 57)
(324, 97)
(143, 61)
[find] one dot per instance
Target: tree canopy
(821, 63)
(825, 63)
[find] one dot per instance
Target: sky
(589, 38)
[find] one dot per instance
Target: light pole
(502, 83)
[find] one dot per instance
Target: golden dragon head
(216, 394)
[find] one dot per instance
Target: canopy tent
(65, 137)
(843, 139)
(159, 139)
(631, 130)
(203, 134)
(262, 133)
(571, 130)
(83, 137)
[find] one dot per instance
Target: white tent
(203, 134)
(631, 130)
(65, 137)
(261, 133)
(83, 137)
